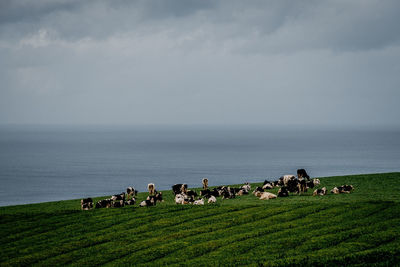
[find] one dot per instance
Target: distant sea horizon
(40, 163)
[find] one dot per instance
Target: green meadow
(359, 229)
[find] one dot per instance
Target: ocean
(48, 163)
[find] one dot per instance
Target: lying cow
(118, 204)
(212, 199)
(130, 202)
(86, 203)
(342, 189)
(199, 202)
(319, 192)
(148, 202)
(105, 203)
(258, 189)
(119, 197)
(265, 195)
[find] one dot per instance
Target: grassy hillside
(348, 229)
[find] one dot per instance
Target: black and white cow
(283, 192)
(86, 203)
(119, 197)
(130, 202)
(105, 203)
(342, 189)
(301, 173)
(130, 191)
(319, 192)
(118, 204)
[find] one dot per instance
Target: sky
(200, 62)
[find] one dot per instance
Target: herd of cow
(287, 184)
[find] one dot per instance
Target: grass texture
(357, 229)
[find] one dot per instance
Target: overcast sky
(200, 62)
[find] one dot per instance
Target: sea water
(47, 163)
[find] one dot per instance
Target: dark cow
(119, 197)
(302, 184)
(176, 189)
(130, 202)
(293, 185)
(283, 192)
(342, 189)
(205, 193)
(150, 201)
(105, 203)
(118, 204)
(191, 193)
(301, 173)
(86, 203)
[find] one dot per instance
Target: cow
(302, 185)
(258, 189)
(105, 203)
(130, 191)
(205, 183)
(268, 186)
(283, 192)
(199, 202)
(292, 185)
(152, 189)
(177, 189)
(119, 197)
(301, 173)
(342, 189)
(118, 204)
(86, 203)
(150, 201)
(319, 192)
(191, 193)
(158, 197)
(130, 202)
(246, 187)
(205, 193)
(286, 178)
(183, 199)
(267, 195)
(212, 199)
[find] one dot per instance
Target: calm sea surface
(40, 164)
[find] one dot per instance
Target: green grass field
(361, 228)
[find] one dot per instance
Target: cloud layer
(187, 62)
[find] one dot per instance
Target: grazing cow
(267, 195)
(118, 204)
(86, 203)
(105, 203)
(205, 183)
(152, 189)
(130, 202)
(130, 191)
(212, 199)
(119, 197)
(283, 192)
(319, 192)
(199, 202)
(301, 173)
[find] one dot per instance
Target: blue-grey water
(40, 163)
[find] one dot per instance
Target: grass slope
(348, 229)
